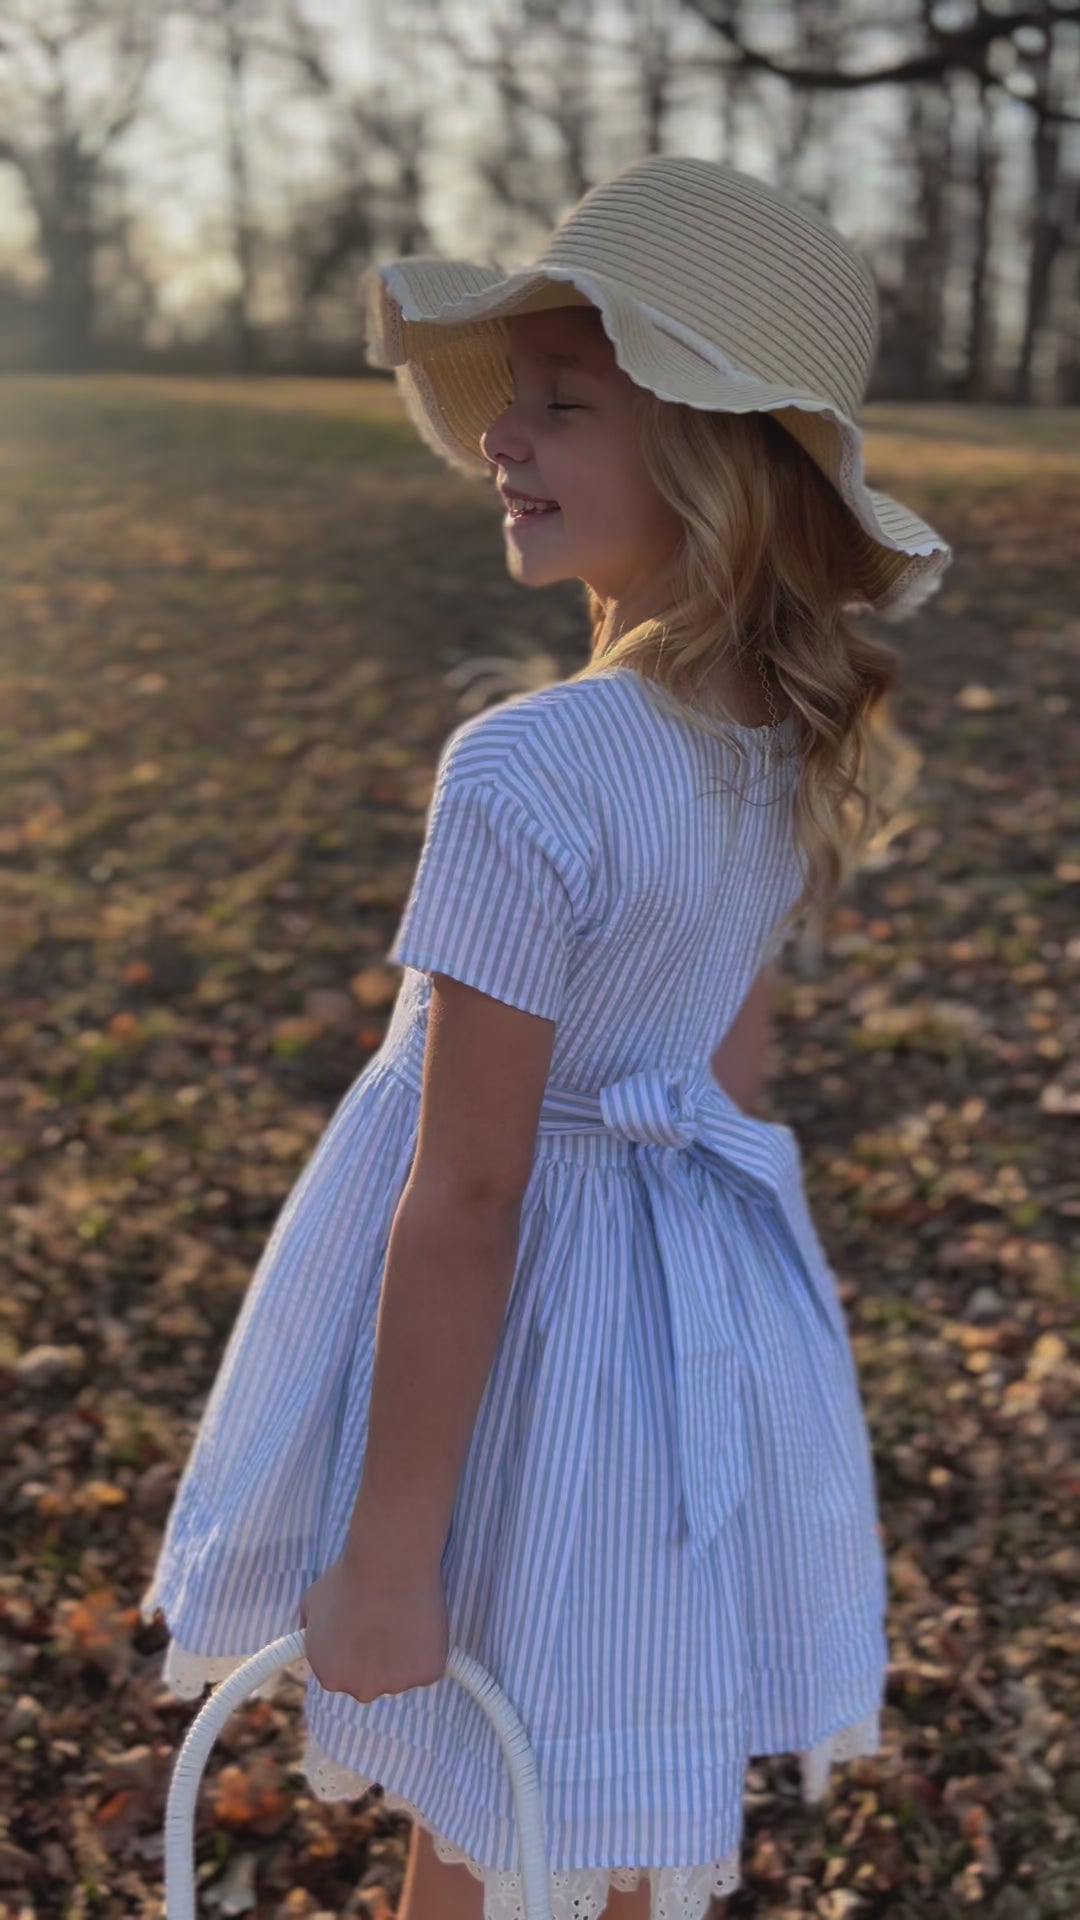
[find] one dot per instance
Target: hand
(367, 1635)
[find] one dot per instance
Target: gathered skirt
(665, 1544)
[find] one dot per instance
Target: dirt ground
(239, 623)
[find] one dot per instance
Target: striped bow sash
(669, 1111)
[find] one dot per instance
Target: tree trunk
(1047, 232)
(977, 383)
(919, 321)
(68, 240)
(246, 344)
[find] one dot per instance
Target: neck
(736, 689)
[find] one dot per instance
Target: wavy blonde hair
(765, 566)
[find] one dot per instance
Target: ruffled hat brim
(435, 323)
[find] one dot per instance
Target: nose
(505, 437)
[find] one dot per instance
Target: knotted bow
(660, 1109)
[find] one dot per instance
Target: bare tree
(564, 91)
(239, 30)
(947, 49)
(375, 202)
(976, 384)
(1049, 213)
(61, 135)
(1039, 73)
(651, 36)
(917, 319)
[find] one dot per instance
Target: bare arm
(450, 1265)
(446, 1283)
(740, 1060)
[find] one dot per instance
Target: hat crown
(750, 270)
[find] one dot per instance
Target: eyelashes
(554, 406)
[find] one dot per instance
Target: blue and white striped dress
(665, 1543)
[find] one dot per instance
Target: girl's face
(569, 435)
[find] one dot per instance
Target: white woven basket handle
(190, 1761)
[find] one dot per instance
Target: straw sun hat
(715, 289)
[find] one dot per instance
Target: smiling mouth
(519, 513)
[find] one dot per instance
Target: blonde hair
(765, 566)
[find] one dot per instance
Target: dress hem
(678, 1892)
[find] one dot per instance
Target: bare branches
(961, 49)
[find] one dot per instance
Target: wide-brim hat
(716, 289)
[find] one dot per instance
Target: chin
(538, 572)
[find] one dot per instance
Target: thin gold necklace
(763, 670)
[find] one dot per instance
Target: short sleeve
(492, 899)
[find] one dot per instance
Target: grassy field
(235, 620)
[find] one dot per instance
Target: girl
(544, 1358)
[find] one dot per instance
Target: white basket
(190, 1761)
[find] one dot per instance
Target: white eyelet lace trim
(677, 1893)
(577, 1893)
(186, 1674)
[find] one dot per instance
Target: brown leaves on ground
(233, 620)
